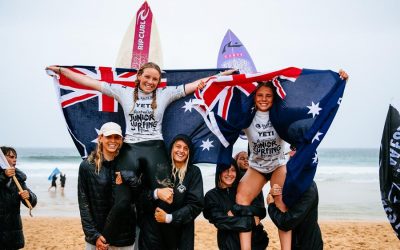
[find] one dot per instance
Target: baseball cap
(110, 128)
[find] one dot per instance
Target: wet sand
(66, 233)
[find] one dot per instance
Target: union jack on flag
(85, 109)
(302, 114)
(222, 93)
(81, 93)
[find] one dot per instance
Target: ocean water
(347, 179)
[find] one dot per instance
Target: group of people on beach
(135, 185)
(138, 180)
(53, 184)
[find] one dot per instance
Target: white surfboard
(141, 42)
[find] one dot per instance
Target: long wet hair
(181, 172)
(149, 65)
(97, 157)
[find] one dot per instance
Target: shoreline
(43, 232)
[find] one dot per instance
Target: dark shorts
(267, 176)
(148, 158)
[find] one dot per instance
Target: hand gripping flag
(85, 110)
(307, 103)
(389, 167)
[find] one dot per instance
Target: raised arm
(76, 77)
(200, 83)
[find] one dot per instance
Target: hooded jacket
(95, 199)
(187, 204)
(302, 219)
(218, 201)
(11, 234)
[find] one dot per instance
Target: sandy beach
(66, 233)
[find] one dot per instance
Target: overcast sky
(360, 36)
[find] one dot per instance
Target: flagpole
(17, 183)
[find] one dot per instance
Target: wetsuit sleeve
(295, 215)
(216, 215)
(257, 208)
(194, 201)
(88, 224)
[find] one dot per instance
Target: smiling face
(180, 152)
(149, 80)
(242, 161)
(227, 177)
(111, 144)
(264, 98)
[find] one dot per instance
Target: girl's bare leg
(249, 187)
(278, 177)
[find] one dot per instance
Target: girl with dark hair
(11, 229)
(219, 203)
(267, 159)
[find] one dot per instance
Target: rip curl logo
(143, 14)
(181, 188)
(264, 126)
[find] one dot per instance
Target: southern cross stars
(314, 109)
(188, 106)
(206, 144)
(315, 159)
(316, 137)
(96, 140)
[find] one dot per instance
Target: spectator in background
(11, 233)
(63, 178)
(242, 160)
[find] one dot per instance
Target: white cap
(110, 128)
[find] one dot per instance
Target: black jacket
(302, 219)
(11, 234)
(95, 197)
(218, 202)
(187, 204)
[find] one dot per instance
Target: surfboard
(233, 54)
(141, 42)
(389, 166)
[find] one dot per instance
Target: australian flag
(85, 109)
(389, 170)
(304, 108)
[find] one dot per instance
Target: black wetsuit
(187, 204)
(143, 166)
(63, 178)
(53, 181)
(217, 203)
(302, 219)
(95, 199)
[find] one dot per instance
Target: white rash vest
(267, 149)
(141, 123)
